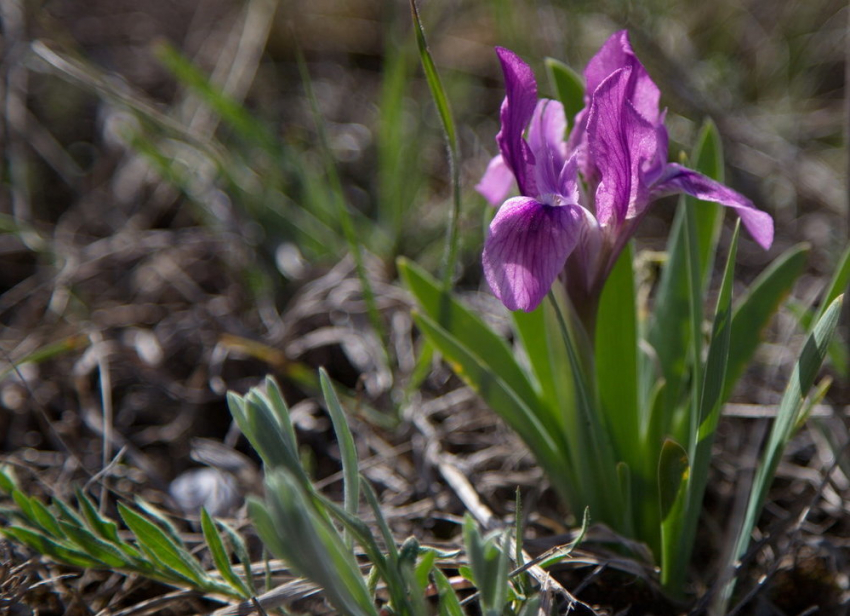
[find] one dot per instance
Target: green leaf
(103, 527)
(427, 558)
(277, 404)
(548, 360)
(811, 358)
(43, 544)
(261, 427)
(489, 567)
(386, 533)
(7, 484)
(755, 309)
(673, 472)
(837, 285)
(438, 94)
(161, 518)
(617, 361)
(671, 328)
(449, 605)
(787, 419)
(718, 351)
(161, 547)
(707, 158)
(466, 327)
(241, 551)
(347, 448)
(673, 477)
(568, 86)
(499, 396)
(296, 532)
(106, 553)
(220, 556)
(708, 409)
(45, 519)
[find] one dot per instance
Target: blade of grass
(219, 555)
(347, 448)
(438, 93)
(787, 419)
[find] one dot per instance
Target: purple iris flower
(619, 147)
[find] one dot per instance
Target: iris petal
(496, 182)
(622, 146)
(678, 179)
(528, 244)
(615, 54)
(516, 112)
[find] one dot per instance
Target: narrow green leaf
(427, 559)
(261, 427)
(837, 285)
(277, 403)
(241, 551)
(707, 158)
(811, 358)
(673, 472)
(66, 513)
(617, 360)
(7, 484)
(466, 327)
(24, 503)
(161, 548)
(673, 477)
(754, 310)
(438, 94)
(449, 605)
(568, 86)
(669, 328)
(718, 350)
(220, 556)
(43, 544)
(296, 532)
(347, 448)
(103, 527)
(489, 566)
(490, 385)
(386, 533)
(548, 359)
(106, 553)
(45, 519)
(161, 518)
(708, 409)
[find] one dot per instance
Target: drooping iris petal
(615, 54)
(496, 182)
(678, 179)
(622, 146)
(516, 112)
(528, 244)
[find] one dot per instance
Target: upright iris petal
(516, 112)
